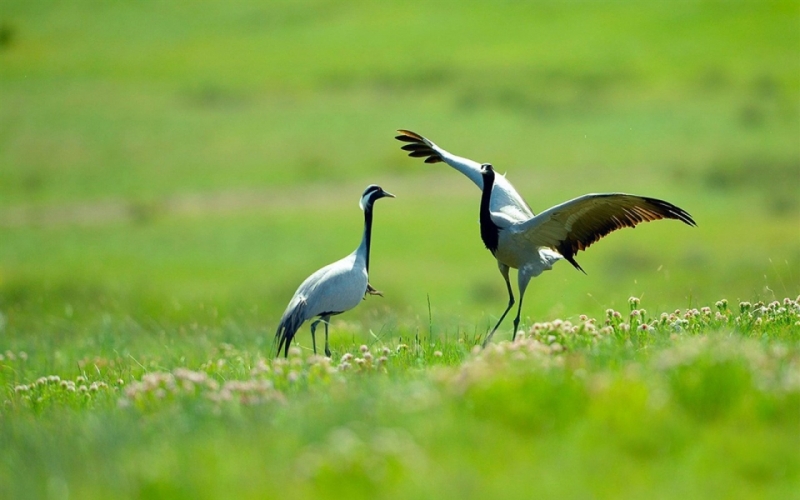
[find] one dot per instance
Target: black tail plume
(290, 322)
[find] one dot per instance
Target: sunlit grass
(660, 394)
(215, 159)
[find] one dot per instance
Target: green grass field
(695, 404)
(170, 172)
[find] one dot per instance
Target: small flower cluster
(246, 392)
(786, 313)
(294, 371)
(220, 380)
(262, 380)
(562, 335)
(185, 384)
(53, 388)
(558, 333)
(12, 356)
(684, 372)
(367, 362)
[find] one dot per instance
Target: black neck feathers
(368, 199)
(367, 231)
(490, 233)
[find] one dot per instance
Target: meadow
(170, 172)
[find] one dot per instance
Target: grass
(169, 173)
(632, 404)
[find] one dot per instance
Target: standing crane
(533, 243)
(334, 289)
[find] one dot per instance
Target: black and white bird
(533, 243)
(335, 288)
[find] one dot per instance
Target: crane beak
(387, 194)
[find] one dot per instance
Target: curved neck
(490, 233)
(365, 240)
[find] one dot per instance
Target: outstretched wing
(576, 224)
(505, 198)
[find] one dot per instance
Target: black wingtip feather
(415, 146)
(673, 211)
(408, 136)
(418, 147)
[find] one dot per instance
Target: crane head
(487, 171)
(372, 193)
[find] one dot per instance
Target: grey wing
(576, 224)
(335, 288)
(505, 198)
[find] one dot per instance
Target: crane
(334, 289)
(531, 243)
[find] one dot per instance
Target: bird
(333, 289)
(531, 243)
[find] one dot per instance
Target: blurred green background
(193, 162)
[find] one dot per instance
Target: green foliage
(171, 171)
(696, 402)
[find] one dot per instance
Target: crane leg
(504, 271)
(313, 334)
(327, 347)
(523, 278)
